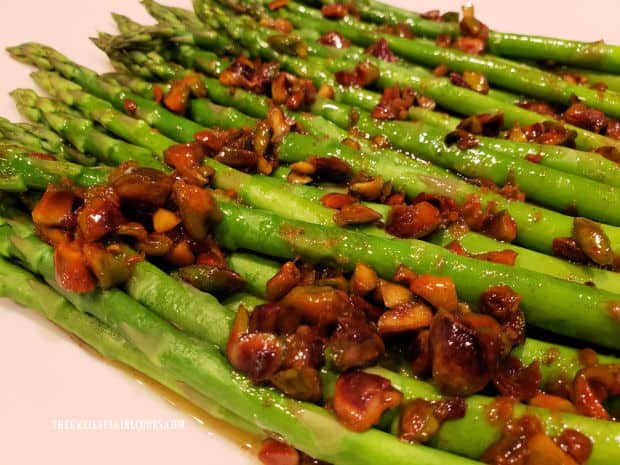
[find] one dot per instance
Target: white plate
(48, 381)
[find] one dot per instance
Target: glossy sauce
(243, 439)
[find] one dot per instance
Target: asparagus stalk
(30, 172)
(81, 132)
(545, 304)
(596, 55)
(589, 165)
(259, 270)
(538, 235)
(428, 143)
(265, 192)
(443, 91)
(520, 280)
(28, 290)
(38, 256)
(505, 73)
(203, 367)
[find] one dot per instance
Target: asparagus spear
(428, 143)
(443, 91)
(265, 192)
(81, 132)
(256, 106)
(505, 73)
(539, 234)
(256, 230)
(596, 55)
(27, 247)
(589, 165)
(28, 290)
(203, 367)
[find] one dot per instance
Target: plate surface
(61, 404)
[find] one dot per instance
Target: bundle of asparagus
(388, 323)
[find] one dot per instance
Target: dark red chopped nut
(551, 133)
(356, 214)
(612, 128)
(464, 140)
(144, 186)
(304, 348)
(575, 444)
(334, 11)
(238, 158)
(55, 209)
(158, 93)
(130, 106)
(284, 281)
(177, 98)
(523, 442)
(422, 361)
(440, 71)
(470, 45)
(534, 158)
(197, 208)
(293, 92)
(465, 352)
(337, 200)
(184, 156)
(413, 221)
(400, 30)
(216, 139)
(500, 226)
(257, 355)
(421, 419)
(418, 422)
(487, 124)
(394, 103)
(331, 168)
(439, 291)
(361, 398)
(254, 76)
(99, 216)
(567, 248)
(354, 344)
(381, 50)
(581, 116)
(504, 257)
(71, 269)
(592, 385)
(501, 302)
(514, 380)
(410, 316)
(334, 39)
(443, 41)
(317, 305)
(364, 73)
(264, 318)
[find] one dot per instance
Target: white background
(46, 376)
